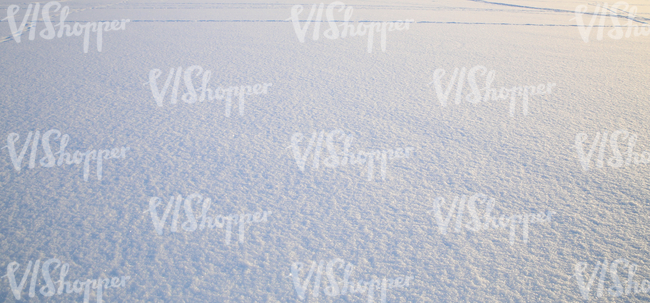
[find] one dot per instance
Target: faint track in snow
(558, 10)
(628, 14)
(203, 6)
(360, 21)
(184, 5)
(526, 7)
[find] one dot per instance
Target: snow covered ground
(212, 198)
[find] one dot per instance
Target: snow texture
(387, 224)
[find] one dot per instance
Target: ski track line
(554, 9)
(628, 15)
(280, 6)
(361, 21)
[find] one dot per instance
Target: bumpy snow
(450, 151)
